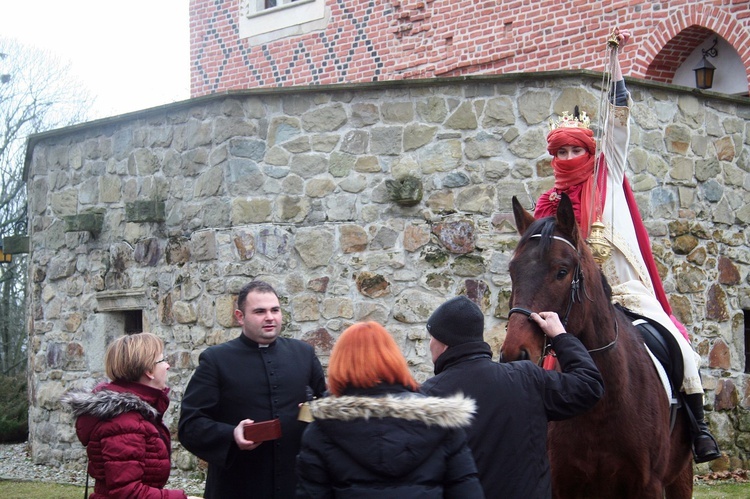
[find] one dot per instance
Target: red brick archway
(680, 33)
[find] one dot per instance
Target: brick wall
(393, 40)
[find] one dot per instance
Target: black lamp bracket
(711, 51)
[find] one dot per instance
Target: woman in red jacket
(120, 422)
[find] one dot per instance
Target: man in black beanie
(457, 321)
(508, 436)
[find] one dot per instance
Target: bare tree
(37, 93)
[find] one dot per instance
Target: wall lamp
(704, 71)
(5, 257)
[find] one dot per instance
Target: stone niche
(118, 312)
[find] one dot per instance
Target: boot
(705, 447)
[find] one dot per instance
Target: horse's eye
(561, 274)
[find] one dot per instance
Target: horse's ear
(523, 217)
(566, 218)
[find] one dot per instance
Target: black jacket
(238, 380)
(387, 442)
(514, 402)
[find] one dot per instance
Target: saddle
(662, 345)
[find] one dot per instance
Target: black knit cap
(457, 321)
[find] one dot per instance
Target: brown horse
(623, 447)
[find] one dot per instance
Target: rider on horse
(608, 202)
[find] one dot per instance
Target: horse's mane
(606, 286)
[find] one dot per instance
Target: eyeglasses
(164, 359)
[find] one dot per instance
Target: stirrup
(705, 448)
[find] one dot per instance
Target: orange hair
(366, 355)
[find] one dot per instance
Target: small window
(270, 4)
(251, 8)
(133, 321)
(266, 20)
(747, 341)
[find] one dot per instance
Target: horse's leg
(681, 461)
(655, 489)
(682, 486)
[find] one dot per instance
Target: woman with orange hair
(376, 436)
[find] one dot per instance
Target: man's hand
(549, 322)
(239, 436)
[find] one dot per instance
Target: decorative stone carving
(405, 192)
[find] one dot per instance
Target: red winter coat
(128, 445)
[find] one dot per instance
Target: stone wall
(369, 202)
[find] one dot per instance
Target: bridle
(576, 285)
(576, 289)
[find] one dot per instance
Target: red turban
(569, 136)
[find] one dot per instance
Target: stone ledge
(145, 211)
(89, 222)
(15, 245)
(126, 299)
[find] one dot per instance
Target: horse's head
(546, 275)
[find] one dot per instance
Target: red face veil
(572, 171)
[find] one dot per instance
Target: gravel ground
(15, 464)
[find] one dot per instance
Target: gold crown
(570, 121)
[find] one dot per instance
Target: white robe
(625, 269)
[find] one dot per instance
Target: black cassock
(241, 380)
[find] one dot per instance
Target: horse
(623, 447)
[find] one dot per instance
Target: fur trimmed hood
(389, 435)
(107, 404)
(110, 401)
(451, 412)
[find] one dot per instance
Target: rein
(576, 287)
(611, 343)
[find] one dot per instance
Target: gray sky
(130, 54)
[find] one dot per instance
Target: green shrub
(14, 408)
